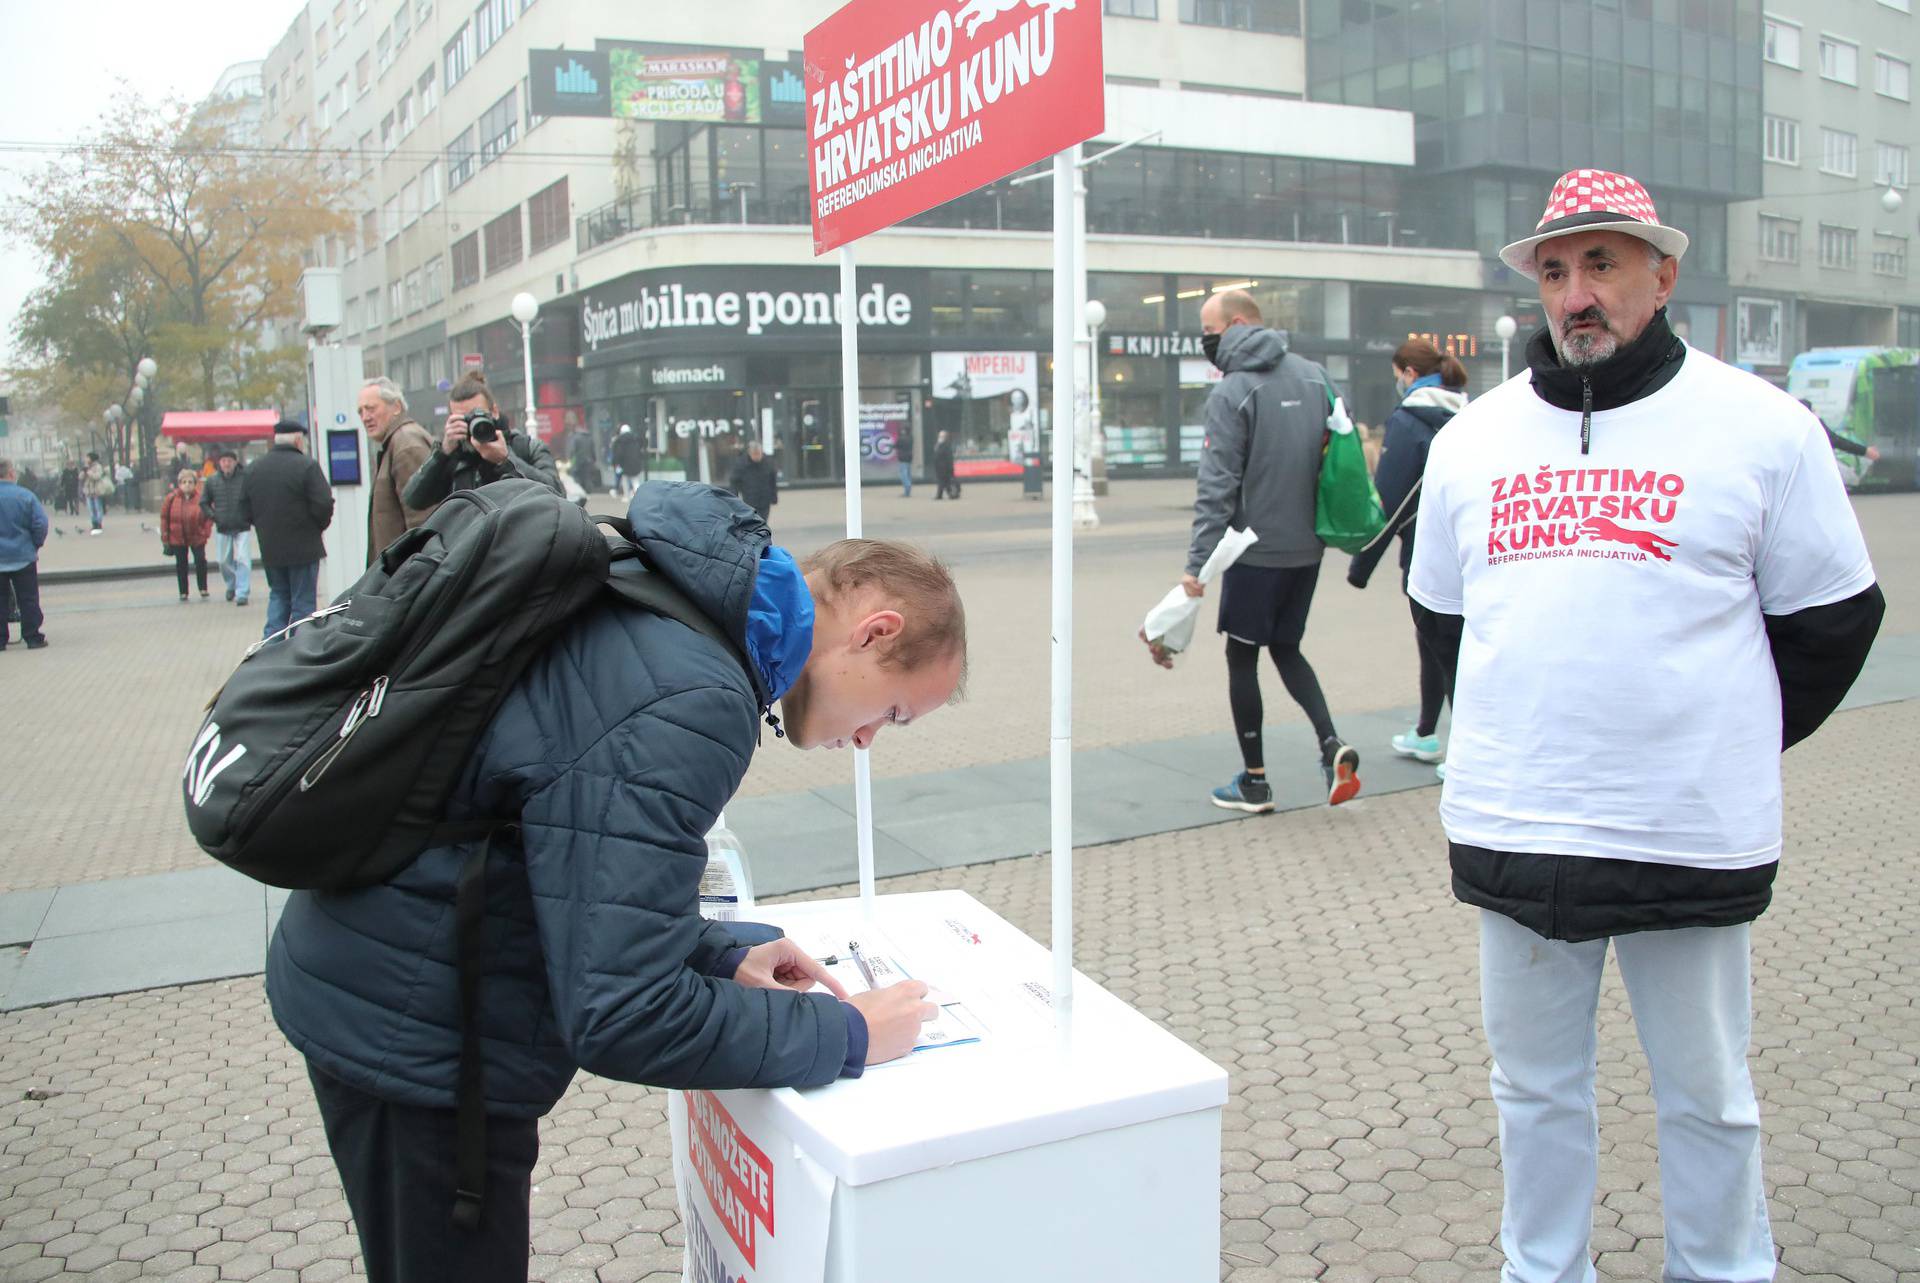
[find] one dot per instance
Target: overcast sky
(63, 58)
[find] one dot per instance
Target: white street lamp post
(1505, 328)
(525, 308)
(1084, 515)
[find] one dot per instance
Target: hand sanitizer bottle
(726, 890)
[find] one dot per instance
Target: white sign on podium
(1001, 1152)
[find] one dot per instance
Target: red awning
(218, 425)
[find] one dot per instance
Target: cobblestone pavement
(111, 705)
(1315, 955)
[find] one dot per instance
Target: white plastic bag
(1169, 625)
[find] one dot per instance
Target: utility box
(339, 444)
(322, 300)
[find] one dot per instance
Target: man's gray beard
(1577, 351)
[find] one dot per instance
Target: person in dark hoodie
(1433, 388)
(615, 750)
(1642, 568)
(756, 480)
(1266, 429)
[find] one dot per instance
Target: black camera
(482, 426)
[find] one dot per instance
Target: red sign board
(914, 102)
(471, 360)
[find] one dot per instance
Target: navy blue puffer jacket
(616, 749)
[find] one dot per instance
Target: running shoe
(1340, 764)
(1422, 748)
(1245, 793)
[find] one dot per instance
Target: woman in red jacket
(184, 528)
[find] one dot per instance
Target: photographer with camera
(478, 447)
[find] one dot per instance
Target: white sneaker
(1422, 748)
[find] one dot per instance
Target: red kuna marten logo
(1599, 528)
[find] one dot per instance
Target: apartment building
(632, 166)
(1821, 259)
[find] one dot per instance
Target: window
(504, 244)
(492, 19)
(413, 292)
(352, 326)
(430, 186)
(433, 282)
(436, 358)
(396, 302)
(1782, 138)
(323, 112)
(1891, 76)
(499, 128)
(1889, 165)
(1134, 8)
(410, 202)
(403, 23)
(1839, 152)
(363, 73)
(1781, 43)
(423, 92)
(320, 43)
(373, 308)
(370, 228)
(459, 55)
(1889, 255)
(466, 261)
(340, 98)
(390, 218)
(387, 137)
(1779, 239)
(548, 216)
(1281, 16)
(1904, 6)
(1837, 246)
(365, 148)
(460, 160)
(1840, 60)
(404, 113)
(273, 100)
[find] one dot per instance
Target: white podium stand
(1019, 1156)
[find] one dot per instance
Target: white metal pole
(1065, 329)
(1504, 344)
(850, 443)
(532, 426)
(1084, 515)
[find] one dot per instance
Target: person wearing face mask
(1432, 390)
(1260, 470)
(1644, 580)
(614, 753)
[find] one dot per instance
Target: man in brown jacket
(400, 447)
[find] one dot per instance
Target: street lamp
(1086, 443)
(1890, 201)
(1504, 329)
(525, 308)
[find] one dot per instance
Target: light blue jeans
(1692, 1007)
(235, 554)
(906, 479)
(96, 510)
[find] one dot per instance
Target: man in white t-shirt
(1642, 569)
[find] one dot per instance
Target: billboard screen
(568, 82)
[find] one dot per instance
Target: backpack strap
(470, 1114)
(632, 580)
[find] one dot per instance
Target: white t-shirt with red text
(1616, 696)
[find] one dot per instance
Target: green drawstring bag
(1347, 513)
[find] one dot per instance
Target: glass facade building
(1509, 94)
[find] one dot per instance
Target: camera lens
(483, 427)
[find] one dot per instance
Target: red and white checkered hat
(1593, 200)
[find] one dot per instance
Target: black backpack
(327, 759)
